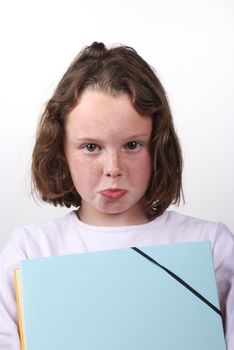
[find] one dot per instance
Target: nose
(112, 167)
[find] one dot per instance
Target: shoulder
(184, 228)
(46, 227)
(198, 229)
(39, 238)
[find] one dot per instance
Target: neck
(111, 220)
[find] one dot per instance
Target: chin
(112, 212)
(117, 209)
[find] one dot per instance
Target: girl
(106, 145)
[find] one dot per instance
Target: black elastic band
(186, 285)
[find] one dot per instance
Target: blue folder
(121, 300)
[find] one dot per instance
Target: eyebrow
(136, 136)
(91, 139)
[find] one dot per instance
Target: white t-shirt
(68, 235)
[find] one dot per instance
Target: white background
(190, 44)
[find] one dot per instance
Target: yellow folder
(19, 304)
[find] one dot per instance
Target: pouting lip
(113, 193)
(112, 190)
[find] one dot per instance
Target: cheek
(82, 170)
(141, 171)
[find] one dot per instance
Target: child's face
(107, 150)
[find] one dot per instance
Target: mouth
(113, 194)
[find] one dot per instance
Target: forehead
(97, 111)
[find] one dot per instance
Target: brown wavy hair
(114, 71)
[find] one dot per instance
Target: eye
(91, 148)
(133, 145)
